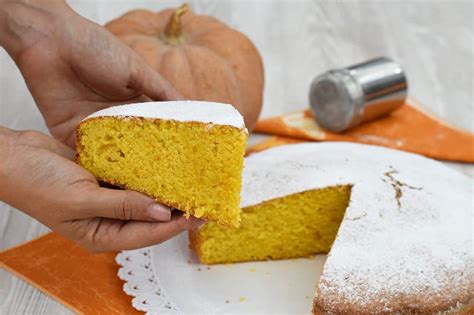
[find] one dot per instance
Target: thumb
(124, 205)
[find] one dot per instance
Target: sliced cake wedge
(185, 154)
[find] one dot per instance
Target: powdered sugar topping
(406, 233)
(184, 111)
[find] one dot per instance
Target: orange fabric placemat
(408, 128)
(86, 283)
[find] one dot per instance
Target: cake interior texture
(297, 225)
(191, 166)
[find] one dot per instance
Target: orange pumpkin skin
(202, 58)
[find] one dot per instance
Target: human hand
(38, 177)
(72, 66)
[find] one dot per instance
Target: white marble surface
(434, 41)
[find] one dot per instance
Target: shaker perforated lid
(344, 98)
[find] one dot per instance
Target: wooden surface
(433, 40)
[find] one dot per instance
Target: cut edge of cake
(211, 114)
(340, 192)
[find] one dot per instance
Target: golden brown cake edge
(423, 304)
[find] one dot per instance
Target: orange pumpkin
(202, 57)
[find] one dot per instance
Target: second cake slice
(185, 154)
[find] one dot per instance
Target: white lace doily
(168, 279)
(142, 284)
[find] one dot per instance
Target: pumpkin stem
(173, 29)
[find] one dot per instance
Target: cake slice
(185, 154)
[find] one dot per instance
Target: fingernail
(159, 212)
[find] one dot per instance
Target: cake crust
(420, 304)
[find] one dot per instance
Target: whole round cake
(403, 244)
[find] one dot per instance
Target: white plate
(285, 286)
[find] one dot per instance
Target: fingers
(122, 205)
(142, 234)
(140, 99)
(113, 235)
(156, 87)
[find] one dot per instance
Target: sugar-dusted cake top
(405, 242)
(198, 111)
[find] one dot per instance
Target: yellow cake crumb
(298, 225)
(185, 165)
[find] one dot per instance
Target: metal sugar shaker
(344, 98)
